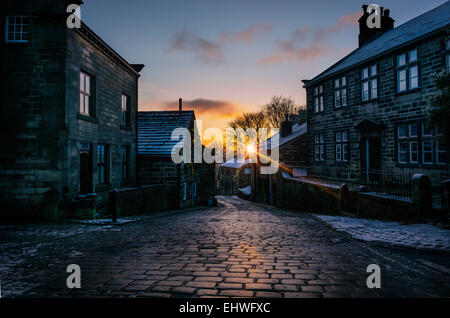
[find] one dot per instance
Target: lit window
(369, 83)
(407, 71)
(340, 92)
(125, 111)
(85, 94)
(318, 99)
(16, 29)
(319, 147)
(341, 146)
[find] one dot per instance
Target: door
(85, 168)
(370, 158)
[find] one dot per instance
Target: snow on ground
(246, 190)
(420, 236)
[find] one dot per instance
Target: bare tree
(277, 109)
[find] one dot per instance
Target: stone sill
(87, 118)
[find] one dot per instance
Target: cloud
(295, 54)
(205, 107)
(247, 35)
(294, 48)
(205, 51)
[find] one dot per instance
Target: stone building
(234, 175)
(367, 112)
(293, 158)
(68, 110)
(189, 183)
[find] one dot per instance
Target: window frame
(319, 147)
(341, 144)
(369, 79)
(125, 119)
(340, 86)
(102, 164)
(7, 25)
(90, 95)
(416, 145)
(318, 101)
(447, 54)
(406, 69)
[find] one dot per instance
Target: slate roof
(155, 131)
(297, 131)
(420, 27)
(235, 163)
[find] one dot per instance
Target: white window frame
(318, 99)
(14, 32)
(369, 75)
(438, 151)
(125, 122)
(319, 148)
(341, 144)
(340, 92)
(431, 152)
(84, 93)
(406, 69)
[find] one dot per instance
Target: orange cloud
(247, 35)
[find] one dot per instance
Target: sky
(231, 56)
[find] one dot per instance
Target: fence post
(343, 197)
(421, 193)
(113, 204)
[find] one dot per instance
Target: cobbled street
(238, 249)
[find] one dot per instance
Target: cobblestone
(239, 249)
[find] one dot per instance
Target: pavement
(238, 249)
(435, 237)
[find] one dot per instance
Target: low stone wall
(316, 197)
(132, 201)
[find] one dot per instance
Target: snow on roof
(415, 29)
(155, 131)
(235, 163)
(297, 131)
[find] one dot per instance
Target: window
(125, 110)
(318, 99)
(319, 148)
(85, 94)
(16, 29)
(369, 83)
(407, 71)
(418, 143)
(125, 161)
(340, 92)
(102, 163)
(441, 154)
(427, 152)
(341, 146)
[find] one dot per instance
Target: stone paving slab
(239, 249)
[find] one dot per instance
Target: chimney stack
(367, 34)
(180, 104)
(286, 127)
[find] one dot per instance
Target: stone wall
(315, 197)
(32, 110)
(133, 201)
(111, 81)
